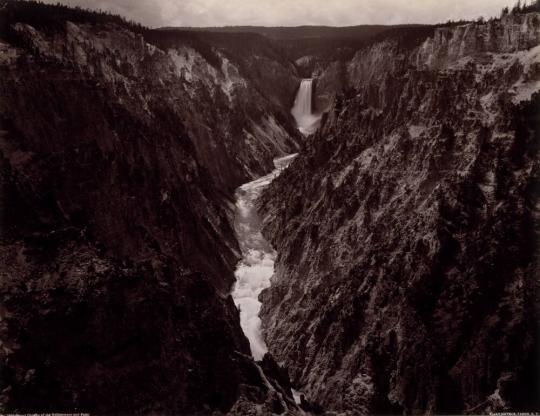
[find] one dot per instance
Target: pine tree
(517, 8)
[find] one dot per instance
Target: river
(254, 271)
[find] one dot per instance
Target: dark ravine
(407, 274)
(119, 154)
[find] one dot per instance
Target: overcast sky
(157, 13)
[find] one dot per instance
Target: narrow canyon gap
(254, 271)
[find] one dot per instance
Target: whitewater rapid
(254, 271)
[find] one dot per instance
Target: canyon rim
(298, 216)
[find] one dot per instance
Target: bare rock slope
(407, 275)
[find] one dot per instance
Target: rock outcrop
(235, 123)
(509, 34)
(425, 48)
(407, 274)
(118, 154)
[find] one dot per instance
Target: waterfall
(306, 121)
(302, 104)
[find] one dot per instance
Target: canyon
(221, 220)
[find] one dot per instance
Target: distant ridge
(302, 32)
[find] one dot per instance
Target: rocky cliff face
(235, 127)
(427, 48)
(511, 33)
(387, 52)
(118, 155)
(407, 275)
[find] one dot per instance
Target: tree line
(522, 8)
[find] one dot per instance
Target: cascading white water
(304, 97)
(302, 110)
(254, 271)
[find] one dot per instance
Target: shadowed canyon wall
(119, 151)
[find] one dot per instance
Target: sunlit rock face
(369, 65)
(510, 34)
(407, 271)
(429, 49)
(236, 126)
(119, 155)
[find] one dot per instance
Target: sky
(157, 13)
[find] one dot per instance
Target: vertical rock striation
(407, 275)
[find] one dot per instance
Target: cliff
(430, 48)
(118, 154)
(511, 33)
(407, 274)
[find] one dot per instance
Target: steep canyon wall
(119, 155)
(407, 275)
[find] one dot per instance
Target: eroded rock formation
(407, 275)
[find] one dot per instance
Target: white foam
(306, 120)
(254, 271)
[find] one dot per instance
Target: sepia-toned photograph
(269, 207)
